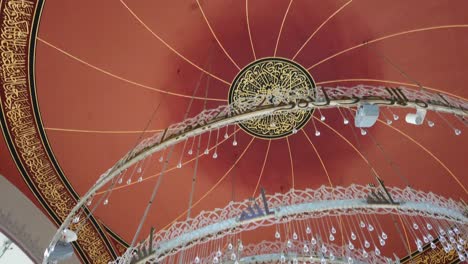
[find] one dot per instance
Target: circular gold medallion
(273, 77)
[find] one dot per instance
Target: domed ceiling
(108, 73)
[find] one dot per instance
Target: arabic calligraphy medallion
(273, 78)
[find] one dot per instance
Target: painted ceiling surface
(101, 68)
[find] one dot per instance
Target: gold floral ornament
(277, 80)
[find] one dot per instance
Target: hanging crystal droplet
(129, 181)
(234, 143)
(139, 170)
(353, 236)
(450, 232)
(456, 230)
(207, 151)
(461, 256)
(461, 241)
(277, 235)
(420, 249)
(323, 260)
(313, 241)
(76, 219)
(418, 242)
(197, 259)
(332, 257)
(366, 244)
(322, 118)
(89, 202)
(452, 240)
(363, 132)
(240, 247)
(317, 133)
(377, 251)
(441, 231)
(282, 258)
(433, 246)
(350, 260)
(308, 230)
(362, 225)
(350, 245)
(161, 159)
(140, 179)
(305, 249)
(233, 256)
(430, 237)
(364, 253)
(370, 228)
(215, 155)
(324, 249)
(395, 117)
(230, 246)
(430, 123)
(294, 131)
(333, 230)
(384, 236)
(119, 181)
(458, 132)
(226, 136)
(382, 242)
(295, 236)
(179, 165)
(442, 238)
(106, 201)
(215, 260)
(218, 253)
(345, 121)
(415, 226)
(389, 122)
(425, 239)
(332, 238)
(190, 152)
(289, 243)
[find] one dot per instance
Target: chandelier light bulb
(106, 201)
(425, 239)
(370, 228)
(382, 242)
(139, 170)
(305, 249)
(76, 219)
(88, 203)
(395, 117)
(140, 179)
(120, 181)
(207, 151)
(190, 152)
(295, 261)
(457, 132)
(332, 257)
(215, 155)
(389, 122)
(226, 136)
(350, 260)
(366, 244)
(333, 230)
(230, 246)
(308, 230)
(324, 249)
(129, 181)
(377, 251)
(295, 236)
(353, 236)
(233, 256)
(313, 241)
(364, 253)
(197, 259)
(215, 260)
(384, 236)
(429, 226)
(433, 246)
(350, 245)
(332, 238)
(317, 133)
(277, 235)
(294, 131)
(415, 226)
(430, 123)
(363, 132)
(345, 121)
(234, 143)
(282, 258)
(161, 159)
(361, 224)
(323, 260)
(289, 244)
(322, 118)
(218, 253)
(179, 165)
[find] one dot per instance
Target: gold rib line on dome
(319, 157)
(213, 187)
(291, 160)
(169, 46)
(362, 156)
(408, 244)
(263, 168)
(428, 152)
(392, 82)
(321, 25)
(215, 37)
(329, 180)
(248, 28)
(171, 169)
(102, 131)
(281, 27)
(123, 79)
(386, 37)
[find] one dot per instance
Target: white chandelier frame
(324, 97)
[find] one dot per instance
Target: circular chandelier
(326, 225)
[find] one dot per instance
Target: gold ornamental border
(23, 130)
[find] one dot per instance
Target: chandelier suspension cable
(166, 163)
(109, 191)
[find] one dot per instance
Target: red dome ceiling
(102, 68)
